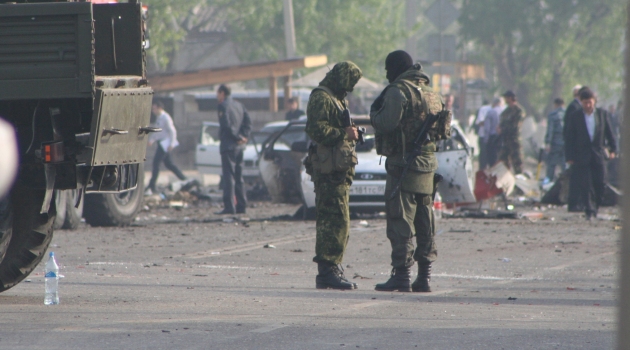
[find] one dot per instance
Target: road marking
(226, 267)
(474, 277)
(594, 257)
(531, 277)
(269, 328)
(245, 247)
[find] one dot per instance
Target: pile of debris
(180, 195)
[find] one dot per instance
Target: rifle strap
(340, 105)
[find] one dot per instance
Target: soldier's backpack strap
(337, 103)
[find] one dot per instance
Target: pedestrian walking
(574, 202)
(167, 141)
(554, 140)
(330, 163)
(234, 130)
(589, 143)
(398, 115)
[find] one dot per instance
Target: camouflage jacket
(511, 121)
(324, 118)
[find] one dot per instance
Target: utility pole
(289, 28)
(411, 12)
(289, 38)
(623, 305)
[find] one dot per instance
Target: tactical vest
(422, 100)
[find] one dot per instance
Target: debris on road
(356, 275)
(269, 246)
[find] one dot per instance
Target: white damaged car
(286, 179)
(208, 157)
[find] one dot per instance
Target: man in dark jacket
(510, 124)
(573, 201)
(293, 112)
(234, 129)
(589, 143)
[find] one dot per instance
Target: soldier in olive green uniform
(510, 132)
(331, 163)
(398, 115)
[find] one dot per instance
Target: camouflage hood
(414, 74)
(342, 78)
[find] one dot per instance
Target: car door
(207, 155)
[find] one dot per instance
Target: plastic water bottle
(52, 281)
(437, 206)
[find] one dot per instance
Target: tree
(540, 48)
(363, 31)
(166, 28)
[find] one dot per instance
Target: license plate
(367, 190)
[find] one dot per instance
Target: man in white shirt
(167, 141)
(481, 117)
(490, 132)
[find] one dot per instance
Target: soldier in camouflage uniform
(324, 126)
(398, 115)
(510, 132)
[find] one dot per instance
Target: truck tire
(61, 197)
(115, 209)
(6, 225)
(31, 235)
(73, 215)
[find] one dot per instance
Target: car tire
(305, 213)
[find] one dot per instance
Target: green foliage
(165, 27)
(362, 31)
(542, 48)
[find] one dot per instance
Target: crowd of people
(579, 139)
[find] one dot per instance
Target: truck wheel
(115, 209)
(32, 233)
(60, 204)
(6, 225)
(73, 215)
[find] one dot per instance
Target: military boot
(421, 284)
(400, 280)
(331, 277)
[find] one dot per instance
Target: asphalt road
(176, 282)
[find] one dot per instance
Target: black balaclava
(397, 63)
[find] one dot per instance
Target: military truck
(73, 85)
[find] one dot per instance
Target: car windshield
(261, 136)
(293, 134)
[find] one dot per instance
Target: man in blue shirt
(554, 139)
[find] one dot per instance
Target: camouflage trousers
(409, 215)
(333, 221)
(510, 154)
